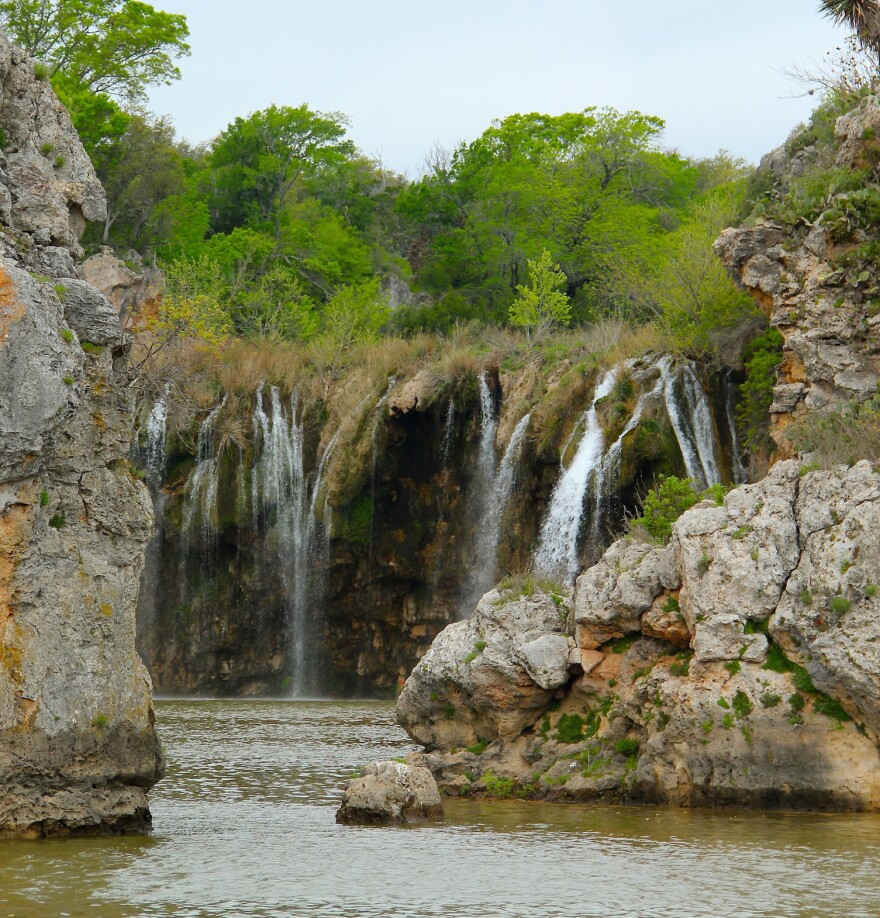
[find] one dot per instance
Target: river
(244, 826)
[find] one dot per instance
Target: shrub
(41, 71)
(733, 667)
(500, 788)
(58, 521)
(47, 149)
(742, 704)
(478, 748)
(67, 335)
(570, 729)
(840, 605)
(44, 498)
(664, 504)
(629, 748)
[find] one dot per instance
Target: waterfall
(607, 476)
(557, 554)
(448, 434)
(484, 540)
(693, 425)
(204, 483)
(738, 469)
(280, 492)
(157, 428)
(484, 571)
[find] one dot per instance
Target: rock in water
(390, 792)
(78, 750)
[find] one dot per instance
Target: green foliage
(44, 498)
(67, 335)
(497, 787)
(628, 748)
(678, 281)
(806, 597)
(770, 699)
(621, 645)
(570, 729)
(478, 748)
(542, 303)
(742, 704)
(357, 520)
(822, 704)
(664, 504)
(733, 667)
(100, 722)
(58, 521)
(682, 664)
(839, 605)
(761, 356)
(118, 47)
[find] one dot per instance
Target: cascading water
(740, 473)
(485, 569)
(280, 493)
(557, 554)
(693, 426)
(448, 434)
(201, 498)
(485, 539)
(157, 427)
(607, 477)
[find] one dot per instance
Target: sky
(411, 74)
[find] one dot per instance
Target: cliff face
(262, 570)
(77, 746)
(816, 277)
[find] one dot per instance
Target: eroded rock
(488, 676)
(390, 792)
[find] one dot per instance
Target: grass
(58, 521)
(478, 748)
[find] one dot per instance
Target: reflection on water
(244, 826)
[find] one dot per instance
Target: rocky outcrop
(804, 277)
(490, 676)
(78, 750)
(390, 792)
(132, 287)
(773, 702)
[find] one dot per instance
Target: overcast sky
(411, 73)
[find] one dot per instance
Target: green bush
(570, 729)
(664, 504)
(629, 748)
(500, 788)
(761, 356)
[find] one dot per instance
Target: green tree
(542, 303)
(259, 160)
(139, 171)
(114, 47)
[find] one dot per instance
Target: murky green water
(244, 826)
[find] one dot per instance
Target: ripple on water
(244, 826)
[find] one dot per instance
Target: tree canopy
(114, 47)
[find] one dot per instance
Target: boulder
(390, 792)
(490, 676)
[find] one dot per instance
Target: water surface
(244, 826)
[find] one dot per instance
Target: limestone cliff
(811, 265)
(77, 746)
(736, 665)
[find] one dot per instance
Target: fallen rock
(390, 792)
